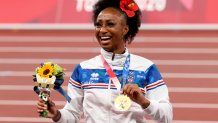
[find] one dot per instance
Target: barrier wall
(74, 12)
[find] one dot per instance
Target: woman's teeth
(105, 38)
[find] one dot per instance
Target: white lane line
(20, 87)
(25, 119)
(194, 90)
(43, 39)
(97, 49)
(159, 39)
(62, 103)
(51, 49)
(192, 121)
(16, 87)
(184, 121)
(87, 38)
(76, 61)
(175, 50)
(186, 62)
(39, 119)
(194, 105)
(27, 102)
(165, 75)
(171, 89)
(89, 26)
(23, 73)
(191, 75)
(38, 61)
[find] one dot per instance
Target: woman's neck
(119, 51)
(122, 51)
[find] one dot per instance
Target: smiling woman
(116, 85)
(110, 30)
(134, 21)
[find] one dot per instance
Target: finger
(136, 94)
(39, 110)
(132, 91)
(51, 103)
(124, 89)
(41, 104)
(135, 89)
(42, 107)
(132, 87)
(127, 88)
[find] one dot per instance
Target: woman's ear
(125, 30)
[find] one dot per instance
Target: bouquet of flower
(48, 70)
(48, 75)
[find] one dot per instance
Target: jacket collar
(119, 59)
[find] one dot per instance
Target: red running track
(188, 61)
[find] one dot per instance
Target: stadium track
(188, 61)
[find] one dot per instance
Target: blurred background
(180, 36)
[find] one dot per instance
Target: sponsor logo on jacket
(94, 77)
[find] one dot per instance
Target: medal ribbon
(112, 75)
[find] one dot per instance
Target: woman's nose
(103, 29)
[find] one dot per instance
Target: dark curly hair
(133, 22)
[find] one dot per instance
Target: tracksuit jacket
(92, 92)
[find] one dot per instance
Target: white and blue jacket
(93, 94)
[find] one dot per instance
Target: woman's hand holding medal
(136, 95)
(130, 91)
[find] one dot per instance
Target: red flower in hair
(129, 7)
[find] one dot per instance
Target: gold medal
(122, 102)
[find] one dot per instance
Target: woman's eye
(97, 25)
(110, 24)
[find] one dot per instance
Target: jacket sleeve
(72, 111)
(160, 108)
